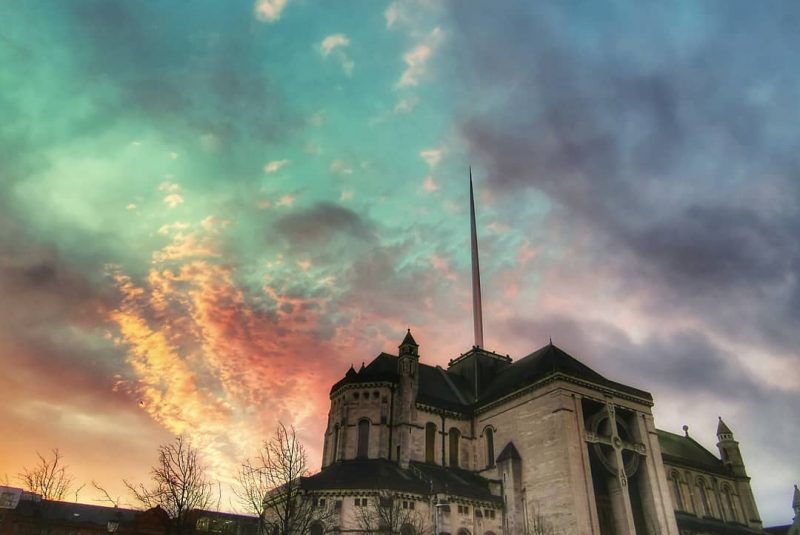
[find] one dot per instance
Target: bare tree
(536, 522)
(180, 484)
(48, 478)
(252, 486)
(287, 508)
(389, 514)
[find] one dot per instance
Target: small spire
(551, 340)
(796, 500)
(686, 430)
(477, 313)
(723, 429)
(409, 340)
(409, 346)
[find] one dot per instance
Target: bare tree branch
(179, 482)
(106, 496)
(274, 476)
(78, 491)
(537, 523)
(388, 514)
(48, 478)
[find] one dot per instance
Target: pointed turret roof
(409, 340)
(723, 429)
(509, 452)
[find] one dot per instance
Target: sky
(210, 210)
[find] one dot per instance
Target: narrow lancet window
(363, 439)
(455, 439)
(430, 442)
(489, 434)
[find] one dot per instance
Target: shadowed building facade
(543, 444)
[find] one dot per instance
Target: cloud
(173, 200)
(430, 184)
(321, 223)
(392, 14)
(275, 166)
(335, 44)
(417, 58)
(341, 167)
(639, 149)
(333, 41)
(202, 352)
(406, 105)
(432, 157)
(269, 10)
(286, 200)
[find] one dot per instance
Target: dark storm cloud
(684, 363)
(670, 134)
(53, 319)
(682, 369)
(321, 223)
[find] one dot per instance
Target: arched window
(407, 529)
(363, 439)
(489, 435)
(430, 442)
(705, 506)
(316, 529)
(732, 512)
(675, 485)
(463, 531)
(455, 437)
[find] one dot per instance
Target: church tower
(732, 458)
(408, 372)
(729, 450)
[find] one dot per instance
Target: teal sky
(209, 211)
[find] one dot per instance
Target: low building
(25, 513)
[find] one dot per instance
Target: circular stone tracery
(621, 441)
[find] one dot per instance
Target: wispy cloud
(269, 10)
(341, 167)
(334, 45)
(406, 105)
(430, 184)
(417, 59)
(432, 157)
(275, 165)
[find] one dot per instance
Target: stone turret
(732, 458)
(729, 449)
(408, 370)
(795, 528)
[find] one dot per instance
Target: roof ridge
(452, 385)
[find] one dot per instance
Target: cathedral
(538, 445)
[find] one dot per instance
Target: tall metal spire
(477, 313)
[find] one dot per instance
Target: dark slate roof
(456, 482)
(380, 474)
(690, 522)
(56, 511)
(440, 389)
(778, 530)
(382, 368)
(685, 451)
(544, 362)
(509, 452)
(450, 391)
(365, 474)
